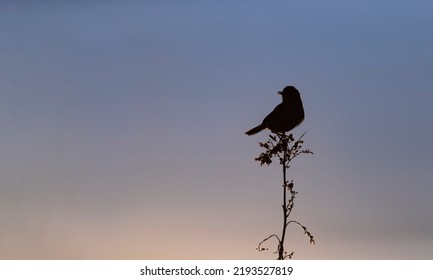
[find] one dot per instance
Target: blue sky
(123, 128)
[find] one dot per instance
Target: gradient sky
(122, 128)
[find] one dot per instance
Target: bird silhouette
(286, 116)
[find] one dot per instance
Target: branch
(306, 232)
(259, 247)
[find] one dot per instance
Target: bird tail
(255, 130)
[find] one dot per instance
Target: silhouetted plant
(278, 147)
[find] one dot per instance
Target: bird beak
(280, 92)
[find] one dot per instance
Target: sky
(122, 128)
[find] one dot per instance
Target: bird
(286, 116)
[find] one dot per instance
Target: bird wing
(275, 115)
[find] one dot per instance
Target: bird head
(290, 92)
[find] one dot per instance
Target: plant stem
(279, 148)
(283, 234)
